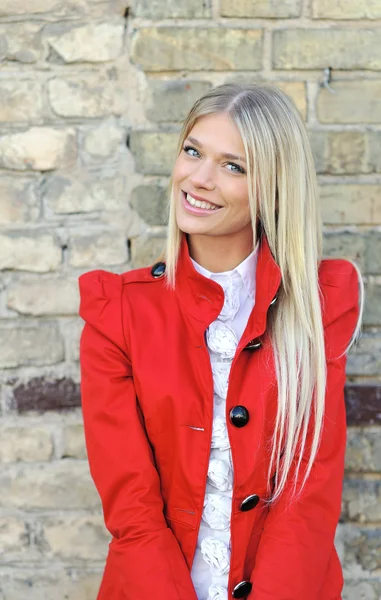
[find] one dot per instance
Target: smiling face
(210, 183)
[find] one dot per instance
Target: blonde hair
(281, 176)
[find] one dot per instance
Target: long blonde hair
(282, 188)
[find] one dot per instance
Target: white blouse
(210, 571)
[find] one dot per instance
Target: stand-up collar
(203, 298)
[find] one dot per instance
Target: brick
(353, 9)
(296, 90)
(146, 250)
(25, 444)
(55, 485)
(36, 252)
(74, 442)
(362, 501)
(197, 49)
(362, 548)
(154, 153)
(150, 202)
(42, 583)
(30, 345)
(83, 193)
(90, 95)
(363, 449)
(89, 42)
(18, 7)
(345, 244)
(13, 536)
(83, 538)
(38, 148)
(172, 99)
(260, 9)
(362, 404)
(172, 9)
(365, 358)
(43, 394)
(372, 309)
(351, 203)
(316, 48)
(97, 248)
(20, 101)
(23, 42)
(373, 252)
(19, 202)
(353, 102)
(340, 152)
(374, 138)
(103, 141)
(72, 329)
(362, 589)
(40, 297)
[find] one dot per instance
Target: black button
(242, 589)
(158, 269)
(239, 416)
(254, 344)
(249, 502)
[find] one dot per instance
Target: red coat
(147, 394)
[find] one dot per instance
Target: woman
(212, 383)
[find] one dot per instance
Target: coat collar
(203, 298)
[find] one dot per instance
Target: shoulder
(339, 285)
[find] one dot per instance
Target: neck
(220, 253)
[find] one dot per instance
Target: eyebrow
(224, 154)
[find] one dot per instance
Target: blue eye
(186, 148)
(239, 169)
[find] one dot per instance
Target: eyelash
(240, 169)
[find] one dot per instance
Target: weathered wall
(92, 95)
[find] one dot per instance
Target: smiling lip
(195, 210)
(201, 199)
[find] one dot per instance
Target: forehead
(218, 131)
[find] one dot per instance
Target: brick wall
(92, 96)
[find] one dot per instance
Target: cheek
(180, 170)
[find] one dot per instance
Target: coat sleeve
(144, 551)
(297, 541)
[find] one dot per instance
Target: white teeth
(199, 204)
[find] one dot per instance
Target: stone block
(362, 501)
(362, 401)
(19, 201)
(372, 309)
(345, 244)
(54, 485)
(197, 49)
(72, 329)
(154, 152)
(43, 394)
(88, 42)
(364, 360)
(103, 141)
(172, 99)
(23, 42)
(354, 9)
(373, 252)
(356, 101)
(260, 9)
(74, 442)
(150, 202)
(146, 250)
(21, 100)
(97, 248)
(37, 252)
(38, 149)
(83, 538)
(88, 96)
(46, 583)
(296, 90)
(25, 444)
(345, 49)
(18, 7)
(374, 141)
(13, 536)
(40, 297)
(361, 589)
(83, 193)
(172, 9)
(340, 152)
(351, 203)
(362, 549)
(363, 448)
(30, 345)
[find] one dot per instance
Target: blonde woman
(212, 382)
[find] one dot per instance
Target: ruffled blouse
(210, 570)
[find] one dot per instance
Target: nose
(203, 176)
